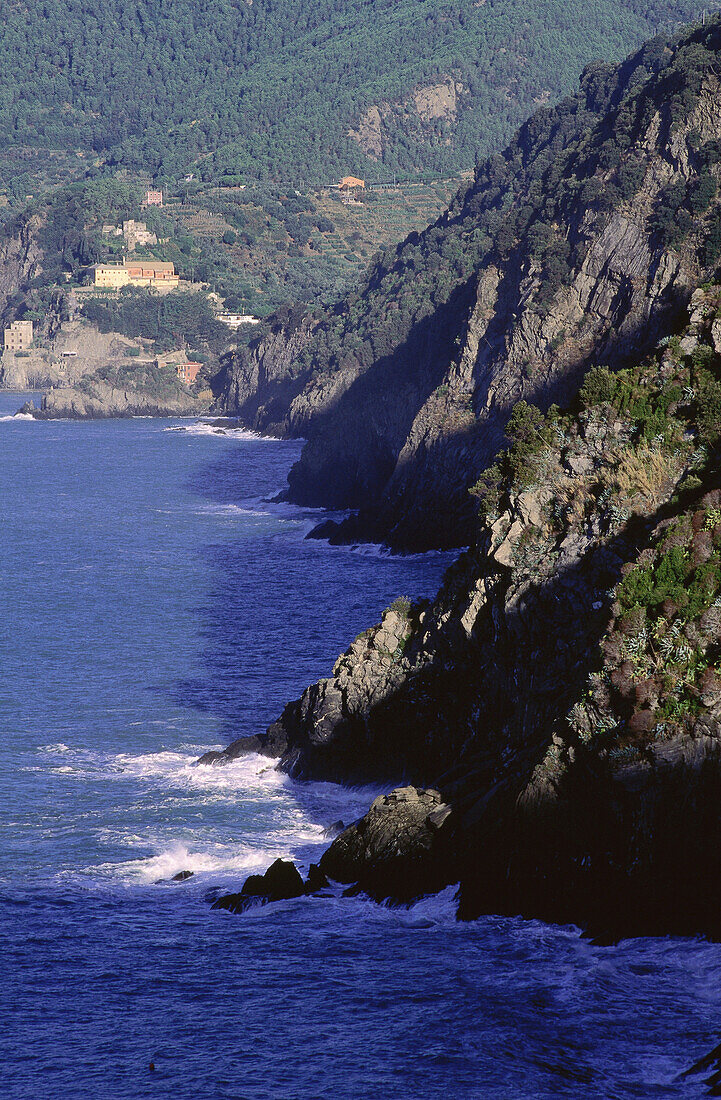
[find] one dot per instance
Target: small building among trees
(185, 368)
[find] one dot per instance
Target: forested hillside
(295, 91)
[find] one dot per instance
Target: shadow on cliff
(624, 847)
(418, 500)
(353, 444)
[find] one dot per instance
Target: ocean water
(155, 605)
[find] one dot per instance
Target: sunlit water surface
(154, 605)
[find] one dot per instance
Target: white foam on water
(179, 769)
(283, 819)
(384, 553)
(178, 856)
(229, 511)
(17, 416)
(222, 432)
(291, 518)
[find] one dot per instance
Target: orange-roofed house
(188, 371)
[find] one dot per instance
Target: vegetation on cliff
(563, 690)
(257, 247)
(121, 390)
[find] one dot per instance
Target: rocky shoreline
(555, 713)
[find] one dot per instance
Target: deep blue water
(153, 606)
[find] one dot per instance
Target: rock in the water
(182, 876)
(282, 880)
(272, 743)
(333, 830)
(397, 850)
(316, 880)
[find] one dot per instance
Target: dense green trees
(169, 321)
(231, 89)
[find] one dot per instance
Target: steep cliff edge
(258, 382)
(563, 691)
(576, 247)
(20, 259)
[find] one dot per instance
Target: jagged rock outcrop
(280, 882)
(578, 246)
(119, 391)
(563, 691)
(430, 112)
(20, 260)
(397, 849)
(259, 381)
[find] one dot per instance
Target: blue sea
(156, 604)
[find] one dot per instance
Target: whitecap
(229, 510)
(220, 430)
(284, 819)
(177, 857)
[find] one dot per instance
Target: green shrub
(402, 606)
(599, 388)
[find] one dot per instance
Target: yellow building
(144, 272)
(18, 336)
(110, 276)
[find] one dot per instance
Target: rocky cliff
(66, 351)
(20, 261)
(563, 691)
(576, 247)
(258, 382)
(120, 389)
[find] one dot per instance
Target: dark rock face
(258, 382)
(272, 743)
(282, 880)
(396, 850)
(20, 259)
(326, 734)
(562, 690)
(623, 848)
